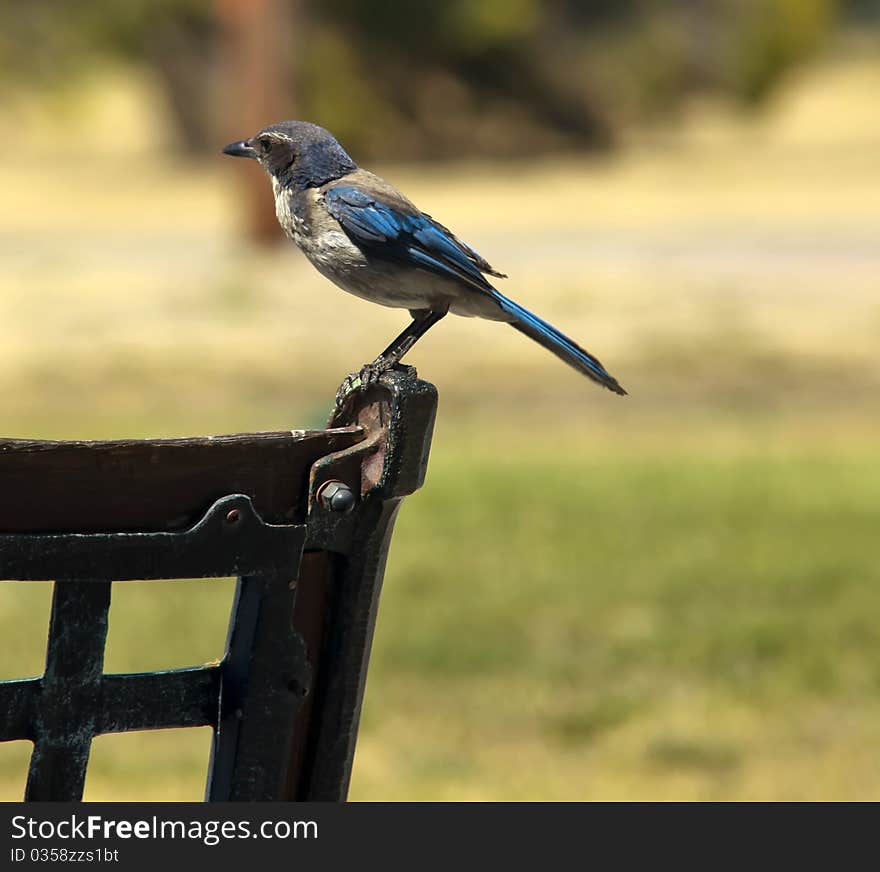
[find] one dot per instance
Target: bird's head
(296, 153)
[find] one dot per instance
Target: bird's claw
(369, 374)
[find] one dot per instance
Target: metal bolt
(336, 496)
(233, 516)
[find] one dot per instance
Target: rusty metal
(397, 415)
(284, 701)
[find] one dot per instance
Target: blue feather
(399, 232)
(410, 237)
(554, 340)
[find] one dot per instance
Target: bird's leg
(422, 321)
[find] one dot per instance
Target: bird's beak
(240, 149)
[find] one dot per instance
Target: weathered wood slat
(157, 485)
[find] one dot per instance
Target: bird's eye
(265, 144)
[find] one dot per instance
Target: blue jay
(366, 237)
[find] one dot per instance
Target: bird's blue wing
(395, 230)
(405, 235)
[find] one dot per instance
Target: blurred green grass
(681, 625)
(671, 596)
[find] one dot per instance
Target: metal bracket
(210, 548)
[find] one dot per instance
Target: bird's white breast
(295, 226)
(318, 235)
(323, 241)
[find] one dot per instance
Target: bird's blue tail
(558, 343)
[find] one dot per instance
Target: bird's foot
(368, 374)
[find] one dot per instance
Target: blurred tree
(771, 36)
(43, 42)
(440, 77)
(865, 11)
(258, 82)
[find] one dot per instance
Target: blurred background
(670, 596)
